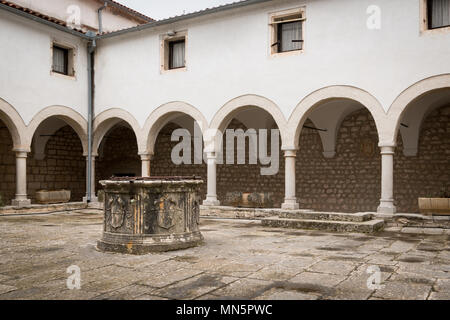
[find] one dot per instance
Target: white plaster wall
(228, 56)
(26, 81)
(88, 10)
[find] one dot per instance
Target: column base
(387, 207)
(93, 199)
(211, 202)
(21, 203)
(290, 205)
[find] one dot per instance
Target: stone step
(370, 226)
(326, 216)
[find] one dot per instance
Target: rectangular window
(287, 29)
(438, 13)
(60, 60)
(177, 54)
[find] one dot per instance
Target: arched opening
(162, 163)
(249, 181)
(338, 163)
(56, 161)
(118, 153)
(7, 166)
(422, 159)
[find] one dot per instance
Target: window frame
(276, 19)
(165, 52)
(70, 58)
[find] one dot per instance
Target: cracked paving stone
(243, 289)
(163, 280)
(276, 272)
(326, 280)
(37, 250)
(399, 290)
(279, 294)
(333, 267)
(442, 285)
(6, 289)
(440, 296)
(195, 287)
(126, 293)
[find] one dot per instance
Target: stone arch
(308, 104)
(223, 117)
(412, 93)
(15, 125)
(108, 119)
(163, 115)
(68, 115)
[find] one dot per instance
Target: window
(287, 31)
(63, 59)
(173, 51)
(438, 13)
(177, 50)
(60, 60)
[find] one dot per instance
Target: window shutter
(291, 36)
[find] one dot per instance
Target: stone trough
(154, 214)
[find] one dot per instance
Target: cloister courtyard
(239, 259)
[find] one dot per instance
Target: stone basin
(156, 214)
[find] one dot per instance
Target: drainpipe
(90, 62)
(100, 20)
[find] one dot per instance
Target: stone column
(21, 180)
(387, 179)
(146, 165)
(93, 181)
(290, 201)
(211, 198)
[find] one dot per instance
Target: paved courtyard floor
(239, 260)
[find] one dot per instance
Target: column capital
(387, 144)
(21, 149)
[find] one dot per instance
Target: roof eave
(44, 21)
(182, 18)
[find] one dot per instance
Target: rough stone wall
(247, 178)
(119, 156)
(7, 166)
(64, 166)
(428, 173)
(349, 182)
(162, 165)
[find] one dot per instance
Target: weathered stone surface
(337, 226)
(270, 264)
(333, 267)
(397, 290)
(150, 215)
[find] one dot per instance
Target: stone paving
(239, 260)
